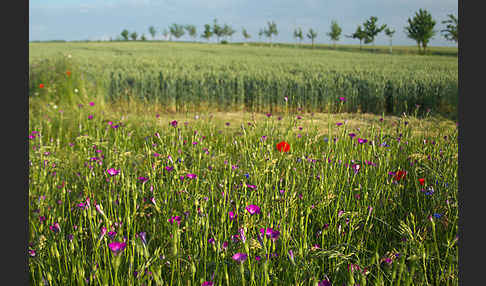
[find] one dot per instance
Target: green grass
(332, 215)
(194, 76)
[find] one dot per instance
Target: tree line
(420, 28)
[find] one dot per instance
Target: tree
(217, 30)
(134, 36)
(152, 31)
(312, 35)
(176, 30)
(335, 32)
(270, 30)
(450, 32)
(165, 33)
(228, 31)
(207, 32)
(124, 34)
(191, 30)
(389, 32)
(245, 34)
(372, 30)
(143, 38)
(298, 34)
(359, 34)
(260, 34)
(421, 28)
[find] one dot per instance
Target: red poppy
(422, 181)
(41, 85)
(283, 146)
(400, 175)
(68, 73)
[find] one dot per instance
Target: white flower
(76, 90)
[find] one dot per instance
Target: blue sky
(98, 20)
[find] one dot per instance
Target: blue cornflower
(437, 215)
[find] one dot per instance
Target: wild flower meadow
(122, 197)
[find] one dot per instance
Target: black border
(15, 187)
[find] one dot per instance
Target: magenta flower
(251, 186)
(232, 215)
(191, 176)
(211, 240)
(207, 283)
(176, 219)
(339, 124)
(113, 171)
(239, 257)
(90, 117)
(253, 209)
(258, 257)
(117, 247)
(143, 179)
(55, 227)
(174, 123)
(225, 245)
(361, 141)
(91, 103)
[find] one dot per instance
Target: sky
(72, 20)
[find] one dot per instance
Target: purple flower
(113, 171)
(361, 141)
(352, 135)
(143, 237)
(232, 215)
(211, 240)
(117, 247)
(169, 168)
(258, 257)
(91, 103)
(253, 209)
(112, 234)
(143, 179)
(174, 123)
(291, 254)
(242, 234)
(191, 176)
(239, 257)
(207, 283)
(31, 252)
(225, 245)
(339, 124)
(324, 282)
(90, 117)
(342, 98)
(270, 233)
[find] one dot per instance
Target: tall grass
(341, 215)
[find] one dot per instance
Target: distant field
(193, 76)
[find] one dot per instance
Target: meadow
(126, 189)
